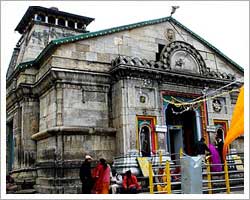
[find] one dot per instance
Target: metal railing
(230, 177)
(164, 178)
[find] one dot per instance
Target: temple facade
(143, 88)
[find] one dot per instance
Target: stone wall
(47, 110)
(35, 40)
(85, 106)
(126, 106)
(61, 151)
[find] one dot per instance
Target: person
(219, 146)
(201, 148)
(85, 175)
(130, 184)
(102, 177)
(11, 187)
(175, 174)
(144, 143)
(116, 182)
(215, 159)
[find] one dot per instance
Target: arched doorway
(182, 130)
(145, 141)
(146, 137)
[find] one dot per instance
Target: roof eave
(54, 43)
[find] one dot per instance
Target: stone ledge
(26, 191)
(62, 130)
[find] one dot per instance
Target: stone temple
(110, 93)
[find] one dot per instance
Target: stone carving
(180, 62)
(162, 66)
(170, 35)
(217, 106)
(179, 53)
(43, 36)
(142, 99)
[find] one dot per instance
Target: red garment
(102, 177)
(129, 182)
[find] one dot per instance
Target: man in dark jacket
(219, 146)
(85, 175)
(201, 147)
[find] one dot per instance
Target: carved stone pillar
(59, 105)
(30, 120)
(17, 120)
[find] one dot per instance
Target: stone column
(59, 105)
(17, 136)
(30, 120)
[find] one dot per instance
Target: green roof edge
(56, 42)
(110, 30)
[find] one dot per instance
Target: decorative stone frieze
(161, 69)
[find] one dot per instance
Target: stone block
(148, 46)
(111, 49)
(198, 45)
(91, 56)
(78, 55)
(125, 50)
(82, 48)
(103, 57)
(211, 64)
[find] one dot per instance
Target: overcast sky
(224, 24)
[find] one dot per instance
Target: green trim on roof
(57, 42)
(109, 31)
(26, 64)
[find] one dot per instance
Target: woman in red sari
(102, 177)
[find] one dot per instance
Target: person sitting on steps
(130, 184)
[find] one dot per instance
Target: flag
(237, 123)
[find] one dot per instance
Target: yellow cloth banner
(237, 123)
(143, 163)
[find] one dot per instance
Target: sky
(224, 24)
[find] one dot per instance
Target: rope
(181, 103)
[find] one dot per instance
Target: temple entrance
(176, 140)
(182, 130)
(146, 136)
(145, 141)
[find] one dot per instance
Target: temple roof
(29, 14)
(54, 43)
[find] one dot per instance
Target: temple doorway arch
(182, 130)
(146, 136)
(145, 141)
